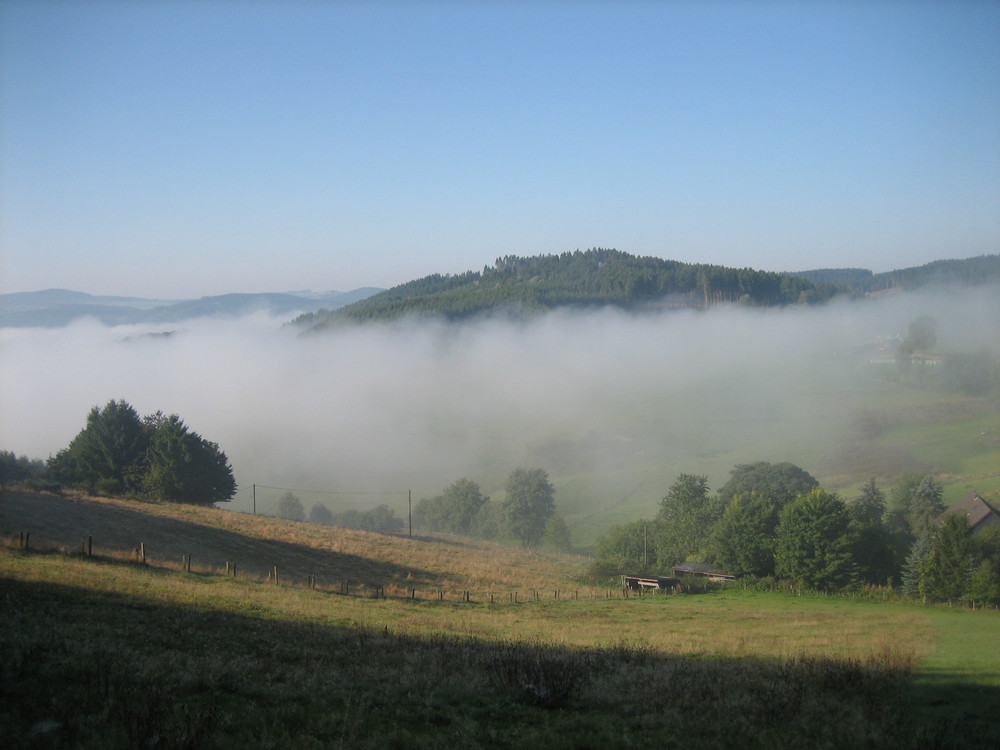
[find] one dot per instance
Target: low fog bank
(612, 405)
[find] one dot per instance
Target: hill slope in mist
(611, 403)
(60, 307)
(604, 277)
(594, 278)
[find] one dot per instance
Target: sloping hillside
(258, 544)
(520, 286)
(596, 277)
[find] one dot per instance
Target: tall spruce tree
(950, 564)
(109, 452)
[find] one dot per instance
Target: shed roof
(975, 509)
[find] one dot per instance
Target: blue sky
(180, 149)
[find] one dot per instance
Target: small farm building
(702, 570)
(979, 514)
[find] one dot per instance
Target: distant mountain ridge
(53, 308)
(607, 277)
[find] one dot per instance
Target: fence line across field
(272, 575)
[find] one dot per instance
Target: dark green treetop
(780, 483)
(813, 542)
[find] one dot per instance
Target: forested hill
(597, 277)
(525, 286)
(983, 269)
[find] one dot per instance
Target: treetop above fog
(157, 456)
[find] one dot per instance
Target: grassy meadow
(102, 651)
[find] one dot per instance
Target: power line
(331, 492)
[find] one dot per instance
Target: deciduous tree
(290, 507)
(319, 513)
(454, 510)
(781, 483)
(743, 539)
(529, 503)
(813, 542)
(687, 515)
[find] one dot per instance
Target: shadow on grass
(85, 668)
(951, 697)
(117, 528)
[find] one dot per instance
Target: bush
(40, 485)
(109, 487)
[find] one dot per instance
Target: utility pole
(255, 499)
(409, 509)
(644, 527)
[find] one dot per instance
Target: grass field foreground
(120, 655)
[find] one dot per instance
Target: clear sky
(180, 149)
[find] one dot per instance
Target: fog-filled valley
(612, 405)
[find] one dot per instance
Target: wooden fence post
(142, 552)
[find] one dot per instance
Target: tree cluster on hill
(119, 453)
(527, 515)
(775, 520)
(381, 519)
(593, 277)
(16, 469)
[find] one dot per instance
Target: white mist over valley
(613, 405)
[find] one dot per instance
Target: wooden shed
(703, 570)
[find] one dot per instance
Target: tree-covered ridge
(593, 277)
(851, 278)
(522, 286)
(983, 269)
